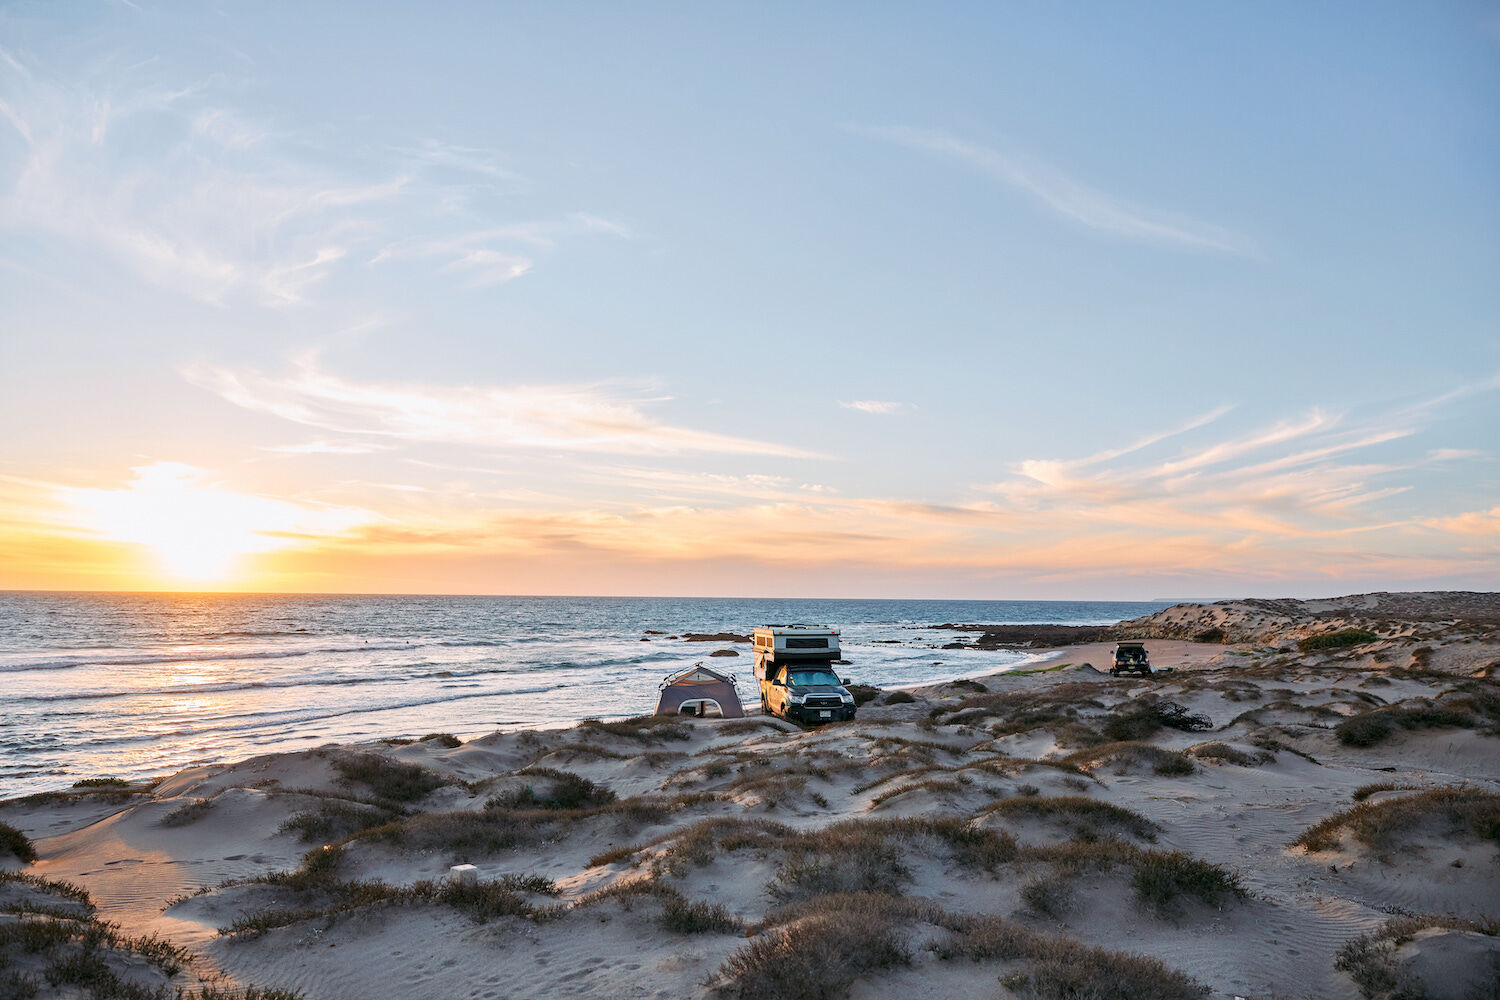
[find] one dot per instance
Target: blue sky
(989, 300)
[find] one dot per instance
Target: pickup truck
(794, 664)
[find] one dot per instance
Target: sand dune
(1043, 834)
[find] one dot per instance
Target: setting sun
(197, 531)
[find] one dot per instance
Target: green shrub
(1211, 635)
(102, 783)
(1336, 640)
(695, 917)
(900, 698)
(863, 693)
(446, 740)
(14, 842)
(336, 819)
(1372, 728)
(388, 779)
(1162, 878)
(1150, 715)
(567, 791)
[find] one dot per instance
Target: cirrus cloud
(564, 417)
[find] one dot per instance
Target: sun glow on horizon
(197, 531)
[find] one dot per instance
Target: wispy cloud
(475, 253)
(1067, 197)
(223, 207)
(1291, 479)
(210, 213)
(876, 406)
(578, 418)
(325, 447)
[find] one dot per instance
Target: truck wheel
(765, 709)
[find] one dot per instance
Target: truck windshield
(807, 678)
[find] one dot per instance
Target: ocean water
(139, 685)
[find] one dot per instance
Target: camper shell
(795, 667)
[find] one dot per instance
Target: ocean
(140, 685)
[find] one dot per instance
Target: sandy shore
(1262, 821)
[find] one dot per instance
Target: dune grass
(1164, 879)
(389, 780)
(644, 728)
(822, 948)
(77, 954)
(1215, 750)
(560, 790)
(188, 812)
(1372, 728)
(1128, 754)
(1370, 959)
(859, 855)
(1447, 811)
(337, 819)
(1085, 818)
(678, 914)
(321, 894)
(817, 949)
(16, 844)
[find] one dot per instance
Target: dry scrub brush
(16, 844)
(1370, 960)
(1472, 704)
(643, 728)
(677, 913)
(388, 780)
(1085, 818)
(1448, 811)
(1129, 754)
(50, 928)
(319, 893)
(816, 950)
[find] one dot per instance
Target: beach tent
(697, 688)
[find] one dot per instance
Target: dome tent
(695, 689)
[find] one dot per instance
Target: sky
(959, 300)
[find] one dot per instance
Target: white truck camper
(795, 667)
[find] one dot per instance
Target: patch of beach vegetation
(818, 948)
(1444, 812)
(50, 934)
(1375, 964)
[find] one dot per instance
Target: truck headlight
(796, 699)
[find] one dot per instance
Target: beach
(1304, 801)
